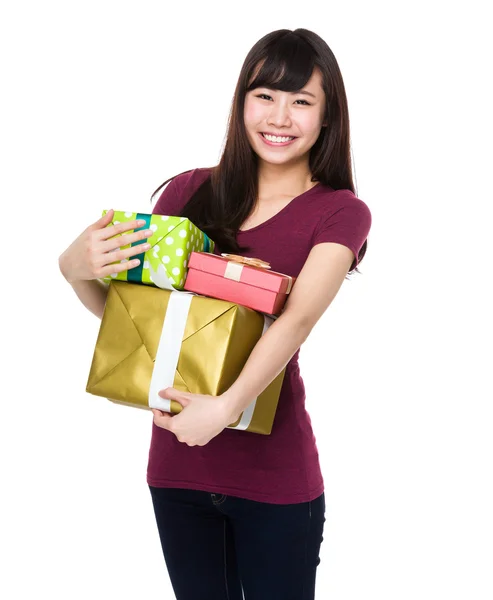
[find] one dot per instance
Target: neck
(289, 180)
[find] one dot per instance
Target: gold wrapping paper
(218, 339)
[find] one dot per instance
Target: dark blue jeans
(215, 546)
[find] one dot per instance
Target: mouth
(277, 140)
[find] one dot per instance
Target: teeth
(277, 139)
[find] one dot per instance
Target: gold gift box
(216, 341)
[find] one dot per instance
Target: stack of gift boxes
(185, 318)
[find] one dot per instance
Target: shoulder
(335, 200)
(342, 218)
(335, 205)
(186, 183)
(179, 189)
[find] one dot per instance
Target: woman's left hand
(202, 418)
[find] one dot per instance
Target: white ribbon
(233, 271)
(168, 353)
(160, 278)
(290, 284)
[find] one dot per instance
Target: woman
(236, 510)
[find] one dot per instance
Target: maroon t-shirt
(282, 467)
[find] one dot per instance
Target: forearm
(269, 357)
(92, 293)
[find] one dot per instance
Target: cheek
(253, 113)
(311, 123)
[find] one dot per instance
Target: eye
(305, 103)
(264, 96)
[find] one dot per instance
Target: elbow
(299, 325)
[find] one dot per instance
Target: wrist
(231, 408)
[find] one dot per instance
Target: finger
(158, 413)
(119, 228)
(173, 394)
(163, 419)
(108, 245)
(103, 221)
(123, 258)
(114, 269)
(124, 254)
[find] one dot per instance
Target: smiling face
(283, 126)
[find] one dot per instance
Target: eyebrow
(304, 92)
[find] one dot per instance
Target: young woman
(237, 510)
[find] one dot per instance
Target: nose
(279, 115)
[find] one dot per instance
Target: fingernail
(148, 232)
(136, 262)
(141, 222)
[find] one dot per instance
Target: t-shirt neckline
(285, 208)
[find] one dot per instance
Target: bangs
(287, 66)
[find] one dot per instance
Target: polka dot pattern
(172, 242)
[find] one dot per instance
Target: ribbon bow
(251, 262)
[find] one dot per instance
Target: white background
(102, 101)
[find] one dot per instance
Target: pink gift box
(225, 278)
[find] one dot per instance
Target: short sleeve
(178, 192)
(169, 202)
(349, 225)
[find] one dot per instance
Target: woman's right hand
(91, 254)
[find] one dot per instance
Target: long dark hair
(282, 60)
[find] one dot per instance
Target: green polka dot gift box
(165, 264)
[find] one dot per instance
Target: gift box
(165, 263)
(151, 339)
(238, 279)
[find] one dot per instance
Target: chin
(278, 160)
(275, 158)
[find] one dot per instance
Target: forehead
(313, 84)
(283, 68)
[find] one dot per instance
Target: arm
(87, 259)
(315, 288)
(92, 293)
(92, 255)
(206, 416)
